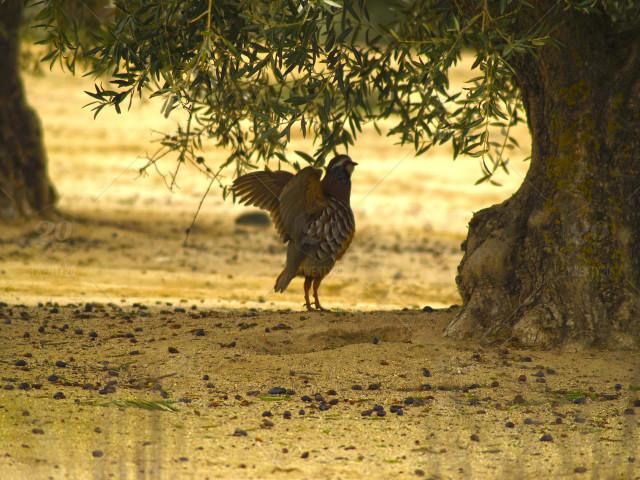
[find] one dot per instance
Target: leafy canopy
(249, 72)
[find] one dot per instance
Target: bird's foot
(317, 308)
(320, 308)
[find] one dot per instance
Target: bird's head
(342, 162)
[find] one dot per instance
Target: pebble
(239, 433)
(61, 364)
(286, 414)
(24, 386)
(305, 455)
(618, 386)
(580, 400)
(20, 363)
(306, 398)
(546, 438)
(356, 387)
(629, 411)
(323, 407)
(267, 414)
(173, 350)
(9, 387)
(301, 412)
(334, 401)
(522, 378)
(526, 359)
(509, 425)
(52, 378)
(38, 431)
(426, 373)
(367, 413)
(636, 403)
(277, 391)
(78, 331)
(93, 334)
(97, 453)
(374, 386)
(580, 469)
(474, 438)
(427, 309)
(518, 399)
(205, 377)
(58, 396)
(107, 389)
(374, 341)
(418, 472)
(199, 332)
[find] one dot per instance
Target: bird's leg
(316, 285)
(307, 286)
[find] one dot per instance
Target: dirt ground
(126, 354)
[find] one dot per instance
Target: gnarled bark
(558, 262)
(25, 188)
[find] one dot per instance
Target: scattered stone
(61, 364)
(305, 455)
(474, 438)
(97, 453)
(356, 387)
(239, 433)
(173, 350)
(58, 396)
(374, 341)
(199, 332)
(546, 438)
(518, 399)
(38, 431)
(277, 391)
(426, 373)
(580, 469)
(20, 363)
(509, 425)
(254, 218)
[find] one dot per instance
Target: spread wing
(300, 203)
(261, 189)
(332, 231)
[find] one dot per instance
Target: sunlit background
(123, 236)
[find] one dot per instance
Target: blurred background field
(123, 235)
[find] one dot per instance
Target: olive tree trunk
(558, 262)
(25, 188)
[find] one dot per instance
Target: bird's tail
(295, 257)
(284, 279)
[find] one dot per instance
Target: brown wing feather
(300, 202)
(261, 189)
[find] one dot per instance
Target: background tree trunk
(25, 188)
(558, 262)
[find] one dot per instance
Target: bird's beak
(353, 163)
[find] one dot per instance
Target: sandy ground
(189, 340)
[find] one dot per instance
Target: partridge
(312, 215)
